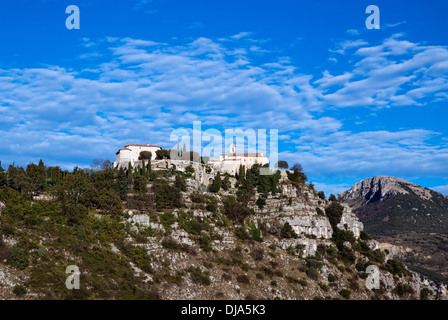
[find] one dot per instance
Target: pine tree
(3, 176)
(144, 169)
(130, 171)
(216, 186)
(122, 184)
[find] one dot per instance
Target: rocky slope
(405, 214)
(285, 248)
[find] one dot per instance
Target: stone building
(231, 161)
(131, 153)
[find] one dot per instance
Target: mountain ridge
(405, 214)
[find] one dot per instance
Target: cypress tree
(143, 168)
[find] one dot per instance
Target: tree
(145, 155)
(140, 183)
(122, 184)
(334, 213)
(241, 173)
(144, 169)
(297, 166)
(226, 184)
(106, 164)
(163, 154)
(36, 177)
(96, 164)
(332, 197)
(282, 164)
(166, 197)
(180, 183)
(3, 176)
(216, 186)
(321, 195)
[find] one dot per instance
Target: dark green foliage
(122, 184)
(297, 176)
(332, 197)
(235, 210)
(226, 184)
(243, 279)
(19, 258)
(189, 169)
(3, 176)
(282, 164)
(198, 276)
(287, 231)
(321, 195)
(166, 196)
(254, 232)
(261, 202)
(403, 288)
(145, 155)
(341, 236)
(180, 183)
(345, 293)
(396, 267)
(334, 213)
(216, 185)
(20, 291)
(364, 236)
(332, 278)
(313, 273)
(140, 183)
(205, 243)
(425, 293)
(163, 154)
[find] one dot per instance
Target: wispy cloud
(141, 90)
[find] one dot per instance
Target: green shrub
(402, 289)
(205, 243)
(425, 293)
(313, 273)
(345, 293)
(243, 279)
(332, 278)
(288, 232)
(334, 213)
(19, 258)
(254, 232)
(198, 276)
(19, 290)
(261, 202)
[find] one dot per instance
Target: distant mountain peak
(378, 188)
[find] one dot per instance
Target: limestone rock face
(379, 188)
(349, 218)
(304, 211)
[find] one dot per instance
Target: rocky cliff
(179, 241)
(405, 214)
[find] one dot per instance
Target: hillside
(405, 214)
(159, 233)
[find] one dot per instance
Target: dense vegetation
(59, 218)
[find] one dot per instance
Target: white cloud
(141, 90)
(441, 189)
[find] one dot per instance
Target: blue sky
(349, 103)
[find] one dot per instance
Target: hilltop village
(164, 224)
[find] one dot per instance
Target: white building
(231, 161)
(131, 153)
